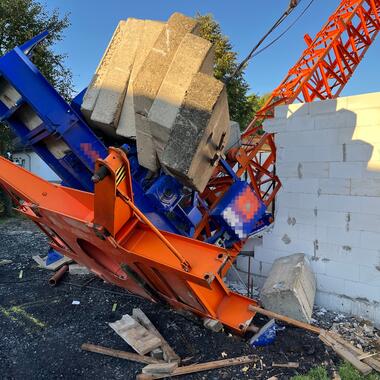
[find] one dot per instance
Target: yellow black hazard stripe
(120, 175)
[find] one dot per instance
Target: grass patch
(346, 372)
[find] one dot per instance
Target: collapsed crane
(146, 234)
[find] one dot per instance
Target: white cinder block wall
(329, 206)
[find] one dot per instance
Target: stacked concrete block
(194, 55)
(149, 79)
(127, 123)
(329, 206)
(200, 132)
(111, 96)
(93, 89)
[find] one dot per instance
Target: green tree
(242, 106)
(20, 20)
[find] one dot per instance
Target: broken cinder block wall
(329, 206)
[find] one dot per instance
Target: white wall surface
(32, 162)
(329, 206)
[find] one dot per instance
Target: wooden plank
(372, 362)
(201, 367)
(283, 318)
(119, 354)
(344, 353)
(136, 335)
(286, 365)
(160, 368)
(169, 353)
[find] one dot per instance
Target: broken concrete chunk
(93, 89)
(290, 288)
(194, 54)
(235, 136)
(77, 269)
(114, 85)
(212, 324)
(160, 369)
(137, 336)
(152, 73)
(127, 123)
(200, 132)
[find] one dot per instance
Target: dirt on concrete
(42, 331)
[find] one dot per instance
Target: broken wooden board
(160, 369)
(344, 353)
(201, 367)
(137, 336)
(119, 354)
(169, 354)
(286, 365)
(371, 361)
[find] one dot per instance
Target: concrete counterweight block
(114, 86)
(93, 89)
(149, 79)
(127, 123)
(194, 54)
(290, 288)
(200, 133)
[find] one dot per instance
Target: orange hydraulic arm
(106, 232)
(323, 70)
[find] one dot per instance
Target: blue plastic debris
(53, 256)
(265, 336)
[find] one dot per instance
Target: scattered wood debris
(169, 354)
(201, 367)
(119, 354)
(343, 348)
(137, 336)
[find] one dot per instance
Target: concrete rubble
(155, 84)
(290, 288)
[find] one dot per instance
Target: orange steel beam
(106, 232)
(323, 70)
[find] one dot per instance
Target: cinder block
(370, 274)
(342, 270)
(334, 186)
(127, 122)
(297, 185)
(114, 86)
(362, 291)
(153, 71)
(323, 153)
(200, 132)
(327, 106)
(93, 89)
(339, 120)
(367, 117)
(346, 170)
(330, 284)
(331, 218)
(359, 151)
(274, 125)
(194, 54)
(363, 101)
(300, 123)
(363, 221)
(344, 236)
(290, 288)
(369, 240)
(303, 169)
(366, 187)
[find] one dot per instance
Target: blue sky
(243, 21)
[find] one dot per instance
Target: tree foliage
(242, 106)
(20, 20)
